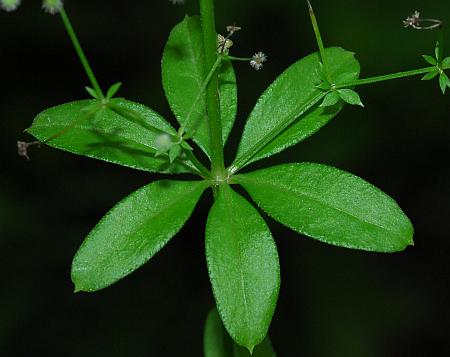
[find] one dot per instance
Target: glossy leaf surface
(125, 135)
(289, 103)
(217, 342)
(330, 205)
(243, 267)
(133, 231)
(183, 73)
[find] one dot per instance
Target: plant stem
(319, 43)
(205, 83)
(385, 77)
(243, 59)
(81, 54)
(441, 45)
(212, 90)
(204, 172)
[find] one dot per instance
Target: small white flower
(163, 142)
(9, 5)
(52, 6)
(257, 60)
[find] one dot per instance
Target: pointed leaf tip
(350, 96)
(91, 92)
(113, 90)
(330, 205)
(243, 267)
(430, 59)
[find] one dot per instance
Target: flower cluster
(50, 6)
(9, 5)
(257, 60)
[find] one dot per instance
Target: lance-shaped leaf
(217, 342)
(287, 112)
(330, 205)
(133, 231)
(183, 73)
(243, 267)
(122, 132)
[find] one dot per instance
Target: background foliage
(333, 301)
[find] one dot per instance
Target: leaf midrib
(301, 193)
(91, 129)
(157, 214)
(234, 229)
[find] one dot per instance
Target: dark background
(333, 301)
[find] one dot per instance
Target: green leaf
(243, 267)
(174, 152)
(217, 342)
(91, 92)
(287, 109)
(121, 132)
(446, 62)
(430, 75)
(113, 90)
(133, 231)
(443, 82)
(430, 60)
(325, 86)
(330, 99)
(436, 50)
(350, 96)
(330, 205)
(344, 78)
(183, 73)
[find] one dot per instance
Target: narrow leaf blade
(243, 267)
(183, 72)
(113, 90)
(91, 92)
(125, 134)
(446, 62)
(330, 205)
(133, 231)
(285, 100)
(350, 96)
(430, 75)
(330, 99)
(443, 80)
(430, 60)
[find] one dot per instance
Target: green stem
(319, 43)
(212, 90)
(81, 55)
(385, 77)
(204, 172)
(243, 59)
(441, 45)
(205, 83)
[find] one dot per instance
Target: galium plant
(315, 200)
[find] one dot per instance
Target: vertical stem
(212, 90)
(81, 54)
(319, 43)
(441, 45)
